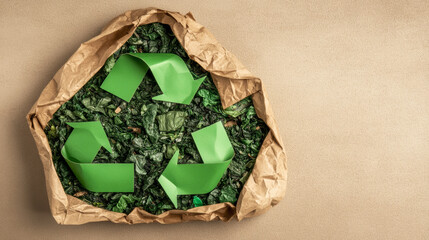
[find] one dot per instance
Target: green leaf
(228, 194)
(87, 103)
(52, 133)
(110, 62)
(238, 108)
(210, 97)
(121, 205)
(156, 157)
(149, 122)
(138, 142)
(171, 149)
(171, 121)
(140, 162)
(213, 196)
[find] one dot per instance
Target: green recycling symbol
(178, 86)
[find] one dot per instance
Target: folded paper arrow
(216, 152)
(169, 70)
(80, 150)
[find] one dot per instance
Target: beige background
(349, 83)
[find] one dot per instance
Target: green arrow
(216, 151)
(80, 150)
(169, 70)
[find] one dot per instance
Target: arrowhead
(195, 86)
(213, 143)
(180, 94)
(96, 130)
(173, 77)
(168, 186)
(85, 141)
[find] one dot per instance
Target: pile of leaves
(147, 132)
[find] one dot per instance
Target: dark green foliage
(147, 132)
(171, 121)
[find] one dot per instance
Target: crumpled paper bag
(266, 185)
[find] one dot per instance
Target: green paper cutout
(170, 72)
(80, 150)
(216, 151)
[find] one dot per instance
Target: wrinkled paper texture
(266, 185)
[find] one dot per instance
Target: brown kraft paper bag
(266, 185)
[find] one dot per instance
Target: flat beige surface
(349, 83)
